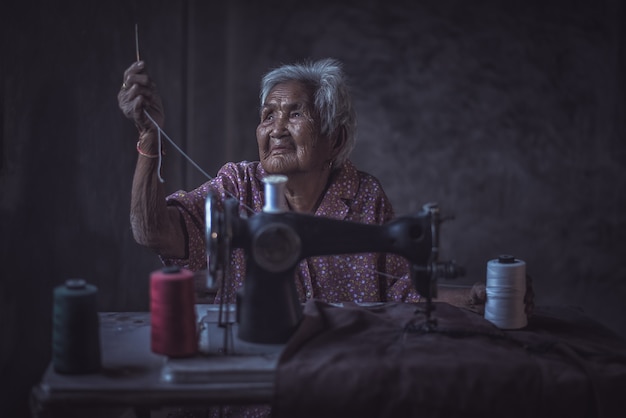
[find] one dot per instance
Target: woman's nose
(279, 127)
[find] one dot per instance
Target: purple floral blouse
(352, 195)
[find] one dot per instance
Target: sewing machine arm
(268, 305)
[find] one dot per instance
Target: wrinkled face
(288, 134)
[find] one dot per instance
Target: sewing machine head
(275, 240)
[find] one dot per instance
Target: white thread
(506, 288)
(160, 152)
(162, 132)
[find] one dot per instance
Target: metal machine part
(275, 193)
(219, 235)
(268, 308)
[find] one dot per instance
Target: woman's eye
(296, 114)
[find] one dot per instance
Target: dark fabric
(379, 361)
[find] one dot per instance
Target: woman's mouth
(280, 149)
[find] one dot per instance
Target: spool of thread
(75, 328)
(275, 193)
(172, 311)
(506, 288)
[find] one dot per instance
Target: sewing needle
(137, 42)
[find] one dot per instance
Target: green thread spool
(75, 328)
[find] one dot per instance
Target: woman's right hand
(139, 93)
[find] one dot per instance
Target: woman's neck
(305, 191)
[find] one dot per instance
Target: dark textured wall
(510, 116)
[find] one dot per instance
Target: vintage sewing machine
(275, 240)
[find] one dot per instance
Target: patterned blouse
(352, 195)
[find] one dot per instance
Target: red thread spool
(172, 311)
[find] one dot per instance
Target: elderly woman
(306, 131)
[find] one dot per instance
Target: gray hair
(332, 99)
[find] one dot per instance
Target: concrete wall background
(510, 116)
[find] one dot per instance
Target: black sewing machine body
(275, 241)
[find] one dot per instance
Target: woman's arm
(153, 223)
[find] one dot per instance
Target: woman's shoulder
(364, 194)
(365, 181)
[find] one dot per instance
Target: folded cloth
(382, 361)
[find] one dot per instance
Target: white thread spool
(506, 288)
(275, 193)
